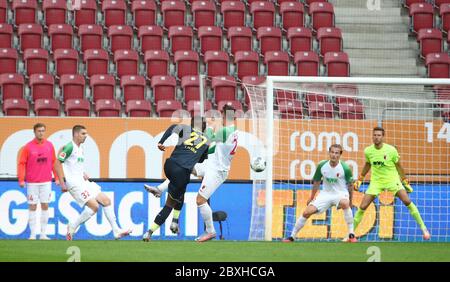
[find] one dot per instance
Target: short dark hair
(196, 119)
(229, 112)
(77, 128)
(378, 128)
(338, 146)
(38, 125)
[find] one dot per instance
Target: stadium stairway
(378, 41)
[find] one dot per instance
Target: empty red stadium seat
(91, 37)
(277, 63)
(8, 60)
(36, 61)
(307, 63)
(66, 61)
(180, 38)
(121, 37)
(320, 110)
(157, 62)
(263, 14)
(15, 107)
(430, 40)
(204, 13)
(224, 88)
(269, 39)
(193, 107)
(173, 13)
(330, 40)
(186, 63)
(72, 86)
(350, 92)
(46, 107)
(165, 108)
(61, 36)
(54, 11)
(216, 63)
(144, 12)
(251, 81)
(337, 64)
(291, 109)
(438, 3)
(210, 38)
(163, 87)
(350, 110)
(126, 62)
(407, 3)
(322, 15)
(247, 63)
(285, 95)
(438, 65)
(96, 61)
(114, 12)
(12, 85)
(422, 16)
(314, 92)
(86, 14)
(300, 39)
(138, 108)
(292, 14)
(103, 86)
(308, 2)
(240, 39)
(3, 11)
(190, 86)
(30, 36)
(133, 87)
(24, 11)
(442, 92)
(42, 86)
(107, 108)
(233, 13)
(150, 38)
(233, 103)
(6, 35)
(444, 11)
(78, 108)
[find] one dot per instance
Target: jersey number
(235, 146)
(194, 137)
(85, 194)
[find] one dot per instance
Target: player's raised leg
(366, 201)
(403, 196)
(111, 216)
(90, 208)
(310, 210)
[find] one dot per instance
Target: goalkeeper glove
(407, 186)
(358, 183)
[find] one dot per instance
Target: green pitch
(216, 251)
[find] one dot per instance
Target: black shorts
(179, 178)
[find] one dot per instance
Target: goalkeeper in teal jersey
(387, 175)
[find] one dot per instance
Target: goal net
(298, 118)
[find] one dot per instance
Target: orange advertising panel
(126, 148)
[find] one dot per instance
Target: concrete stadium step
(373, 28)
(364, 12)
(361, 44)
(382, 53)
(377, 37)
(383, 62)
(371, 20)
(384, 71)
(363, 3)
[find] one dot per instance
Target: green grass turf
(217, 251)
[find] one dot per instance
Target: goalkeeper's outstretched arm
(360, 179)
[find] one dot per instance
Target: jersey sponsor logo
(331, 180)
(62, 155)
(379, 164)
(41, 160)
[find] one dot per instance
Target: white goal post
(399, 100)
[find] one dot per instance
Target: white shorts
(326, 200)
(39, 192)
(200, 168)
(88, 190)
(211, 181)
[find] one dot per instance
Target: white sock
(111, 216)
(298, 225)
(348, 216)
(32, 222)
(44, 221)
(206, 212)
(164, 186)
(84, 216)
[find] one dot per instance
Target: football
(258, 164)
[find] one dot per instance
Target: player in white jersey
(215, 171)
(337, 191)
(86, 193)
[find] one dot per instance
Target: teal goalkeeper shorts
(375, 188)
